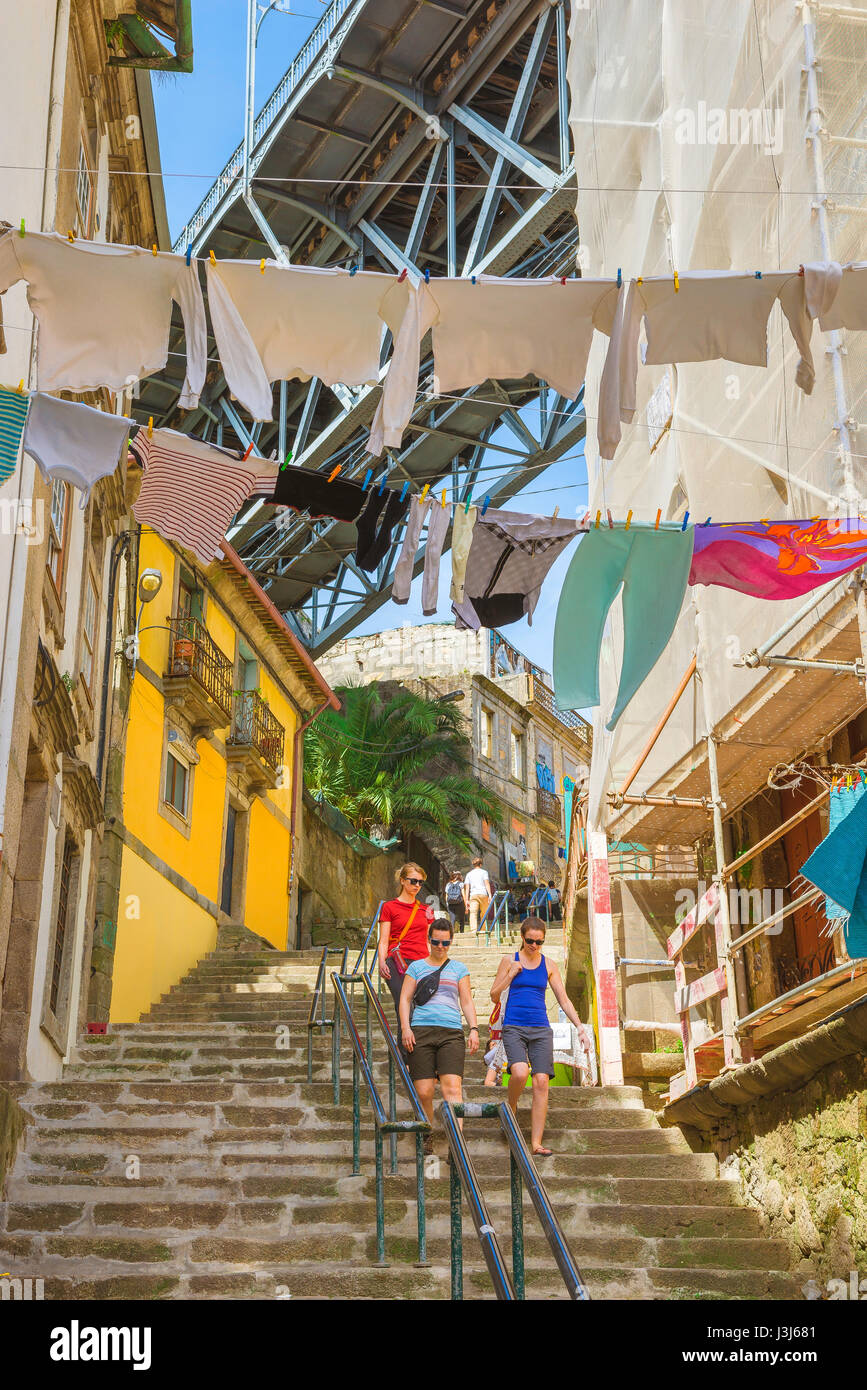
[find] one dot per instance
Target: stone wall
(340, 889)
(791, 1129)
(12, 1124)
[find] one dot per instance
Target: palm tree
(397, 762)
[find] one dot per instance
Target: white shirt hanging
(105, 311)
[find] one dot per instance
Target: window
(190, 597)
(88, 632)
(177, 776)
(83, 192)
(57, 530)
(517, 756)
(487, 732)
(61, 921)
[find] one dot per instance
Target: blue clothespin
(367, 477)
(707, 523)
(685, 520)
(427, 275)
(189, 253)
(619, 277)
(473, 278)
(404, 490)
(383, 483)
(485, 505)
(352, 271)
(758, 275)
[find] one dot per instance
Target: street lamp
(149, 584)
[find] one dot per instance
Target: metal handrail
(522, 1170)
(318, 1000)
(384, 1123)
(498, 903)
(361, 958)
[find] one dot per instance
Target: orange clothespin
(262, 265)
(676, 282)
(154, 249)
(248, 453)
(658, 518)
(598, 515)
(150, 427)
(628, 520)
(334, 472)
(212, 258)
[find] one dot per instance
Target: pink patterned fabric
(777, 559)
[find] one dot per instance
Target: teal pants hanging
(653, 568)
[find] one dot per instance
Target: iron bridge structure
(426, 134)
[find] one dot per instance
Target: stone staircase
(187, 1157)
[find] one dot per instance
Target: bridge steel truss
(425, 134)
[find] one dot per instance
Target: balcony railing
(543, 696)
(548, 805)
(253, 725)
(194, 653)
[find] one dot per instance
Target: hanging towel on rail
(74, 442)
(191, 490)
(302, 322)
(105, 311)
(653, 567)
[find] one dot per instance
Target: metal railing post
(419, 1198)
(335, 1055)
(380, 1199)
(517, 1194)
(392, 1112)
(457, 1261)
(356, 1117)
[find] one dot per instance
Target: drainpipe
(27, 469)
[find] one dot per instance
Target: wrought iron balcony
(194, 656)
(254, 726)
(548, 805)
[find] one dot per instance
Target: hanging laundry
(462, 539)
(308, 491)
(437, 517)
(848, 309)
(821, 283)
(837, 867)
(13, 414)
(653, 567)
(74, 442)
(712, 315)
(841, 801)
(504, 329)
(777, 559)
(105, 311)
(509, 557)
(191, 490)
(300, 322)
(376, 524)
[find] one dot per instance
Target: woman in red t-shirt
(403, 924)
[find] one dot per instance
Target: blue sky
(200, 116)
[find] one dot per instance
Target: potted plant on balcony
(183, 653)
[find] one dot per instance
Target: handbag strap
(406, 928)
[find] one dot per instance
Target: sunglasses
(445, 944)
(534, 941)
(416, 881)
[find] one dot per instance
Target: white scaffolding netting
(690, 122)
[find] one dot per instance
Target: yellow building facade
(220, 694)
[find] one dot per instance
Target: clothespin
(619, 277)
(685, 520)
(262, 265)
(150, 427)
(676, 283)
(849, 780)
(485, 505)
(352, 271)
(800, 270)
(629, 521)
(424, 491)
(610, 522)
(189, 253)
(584, 520)
(285, 464)
(469, 504)
(154, 249)
(473, 278)
(21, 387)
(21, 233)
(562, 279)
(556, 513)
(212, 258)
(334, 472)
(248, 453)
(758, 275)
(707, 523)
(427, 274)
(640, 280)
(443, 498)
(658, 516)
(367, 477)
(598, 515)
(404, 490)
(70, 236)
(382, 484)
(402, 276)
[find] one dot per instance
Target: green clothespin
(469, 504)
(23, 229)
(285, 464)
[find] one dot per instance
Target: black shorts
(437, 1052)
(532, 1045)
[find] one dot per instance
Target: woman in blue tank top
(528, 1038)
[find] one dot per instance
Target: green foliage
(397, 764)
